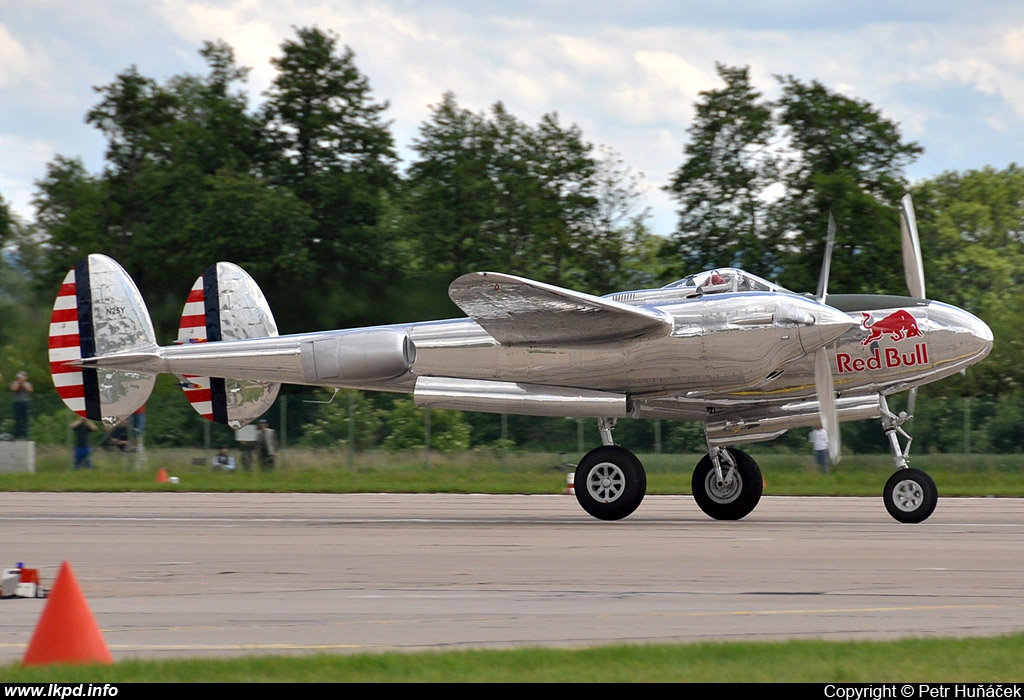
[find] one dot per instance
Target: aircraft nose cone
(980, 331)
(967, 339)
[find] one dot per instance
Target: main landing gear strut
(610, 482)
(727, 483)
(910, 495)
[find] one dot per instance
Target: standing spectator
(819, 445)
(83, 429)
(138, 424)
(22, 389)
(266, 447)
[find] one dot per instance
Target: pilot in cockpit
(719, 281)
(713, 280)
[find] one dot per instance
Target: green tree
(6, 222)
(180, 190)
(448, 193)
(491, 192)
(623, 248)
(71, 212)
(721, 186)
(346, 417)
(408, 428)
(328, 143)
(972, 228)
(131, 110)
(761, 178)
(847, 159)
(972, 235)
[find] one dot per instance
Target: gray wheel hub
(908, 495)
(606, 482)
(723, 490)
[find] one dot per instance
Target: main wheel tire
(910, 495)
(728, 501)
(610, 482)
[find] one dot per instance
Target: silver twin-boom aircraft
(744, 357)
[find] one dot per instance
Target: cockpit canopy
(725, 279)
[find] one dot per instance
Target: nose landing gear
(910, 495)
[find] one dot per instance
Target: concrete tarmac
(189, 574)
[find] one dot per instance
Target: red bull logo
(898, 325)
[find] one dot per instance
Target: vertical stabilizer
(98, 311)
(225, 304)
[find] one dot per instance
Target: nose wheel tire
(610, 482)
(732, 496)
(910, 495)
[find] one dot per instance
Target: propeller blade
(826, 264)
(913, 266)
(913, 263)
(827, 402)
(911, 400)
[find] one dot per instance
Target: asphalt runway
(186, 574)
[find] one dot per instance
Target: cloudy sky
(951, 73)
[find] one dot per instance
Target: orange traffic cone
(161, 476)
(67, 632)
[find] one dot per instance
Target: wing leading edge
(515, 310)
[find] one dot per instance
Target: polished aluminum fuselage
(742, 363)
(736, 352)
(715, 345)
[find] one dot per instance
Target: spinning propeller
(913, 263)
(822, 370)
(913, 270)
(913, 266)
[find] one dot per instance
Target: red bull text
(890, 358)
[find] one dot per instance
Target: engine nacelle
(363, 355)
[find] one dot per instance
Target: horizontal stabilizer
(515, 310)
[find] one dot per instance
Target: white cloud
(15, 63)
(951, 73)
(17, 178)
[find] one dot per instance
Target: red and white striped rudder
(99, 311)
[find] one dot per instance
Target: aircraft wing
(516, 310)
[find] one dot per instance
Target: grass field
(488, 472)
(986, 660)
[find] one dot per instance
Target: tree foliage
(179, 192)
(327, 142)
(972, 227)
(721, 186)
(846, 159)
(760, 179)
(488, 191)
